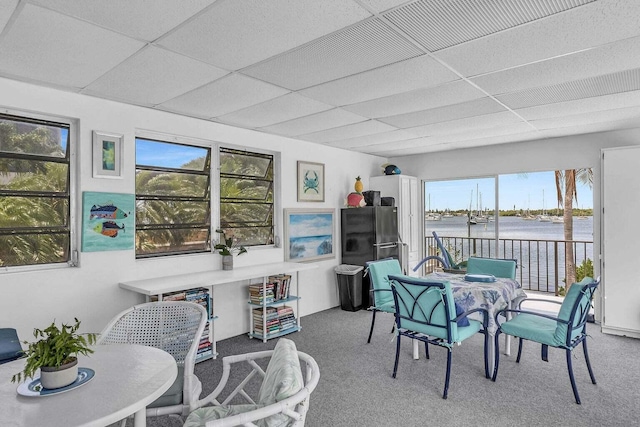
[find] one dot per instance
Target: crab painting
(311, 182)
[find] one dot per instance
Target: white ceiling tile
(588, 118)
(378, 138)
(382, 5)
(417, 100)
(235, 34)
(44, 45)
(584, 27)
(622, 55)
(6, 10)
(477, 107)
(223, 96)
(438, 24)
(415, 73)
(133, 18)
(274, 111)
(365, 46)
(153, 76)
(467, 123)
(581, 106)
(315, 122)
(349, 131)
(623, 81)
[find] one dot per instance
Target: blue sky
(534, 190)
(162, 154)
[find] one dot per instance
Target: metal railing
(541, 263)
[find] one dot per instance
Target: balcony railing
(541, 263)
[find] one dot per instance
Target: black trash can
(350, 286)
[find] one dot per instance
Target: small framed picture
(310, 182)
(107, 155)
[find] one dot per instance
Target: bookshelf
(271, 314)
(159, 287)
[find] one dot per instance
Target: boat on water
(431, 216)
(557, 220)
(544, 218)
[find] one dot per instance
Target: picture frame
(107, 155)
(108, 221)
(309, 234)
(310, 182)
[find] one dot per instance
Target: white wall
(570, 152)
(90, 292)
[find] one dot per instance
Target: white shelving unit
(211, 278)
(276, 305)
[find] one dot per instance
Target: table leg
(416, 350)
(140, 418)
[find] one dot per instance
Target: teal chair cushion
(379, 271)
(576, 292)
(387, 307)
(173, 396)
(534, 328)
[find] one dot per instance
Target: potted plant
(55, 354)
(227, 247)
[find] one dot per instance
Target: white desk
(127, 379)
(211, 278)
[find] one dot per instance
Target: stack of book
(286, 317)
(272, 321)
(281, 286)
(259, 294)
(198, 295)
(204, 348)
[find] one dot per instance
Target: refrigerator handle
(385, 245)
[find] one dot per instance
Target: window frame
(72, 125)
(276, 221)
(186, 141)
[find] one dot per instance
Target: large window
(35, 193)
(173, 198)
(246, 196)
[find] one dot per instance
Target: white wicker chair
(283, 397)
(175, 327)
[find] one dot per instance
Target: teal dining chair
(566, 331)
(425, 311)
(382, 295)
(445, 259)
(496, 267)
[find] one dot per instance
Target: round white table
(127, 379)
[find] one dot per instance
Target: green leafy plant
(56, 347)
(226, 245)
(584, 270)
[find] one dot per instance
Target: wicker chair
(175, 327)
(282, 398)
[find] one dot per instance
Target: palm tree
(567, 191)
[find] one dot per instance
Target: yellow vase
(358, 186)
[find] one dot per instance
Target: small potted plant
(55, 354)
(227, 247)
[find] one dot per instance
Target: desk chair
(425, 311)
(497, 267)
(175, 327)
(10, 348)
(382, 295)
(567, 330)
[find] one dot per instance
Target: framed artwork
(107, 155)
(309, 234)
(310, 182)
(107, 221)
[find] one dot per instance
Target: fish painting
(107, 211)
(108, 228)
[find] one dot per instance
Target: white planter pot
(66, 374)
(227, 262)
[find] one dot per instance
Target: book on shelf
(281, 285)
(197, 295)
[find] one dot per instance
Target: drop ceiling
(385, 77)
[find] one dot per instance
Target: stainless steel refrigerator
(368, 234)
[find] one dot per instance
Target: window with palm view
(246, 196)
(35, 191)
(173, 198)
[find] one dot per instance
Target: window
(246, 196)
(173, 198)
(35, 194)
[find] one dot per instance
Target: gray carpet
(356, 387)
